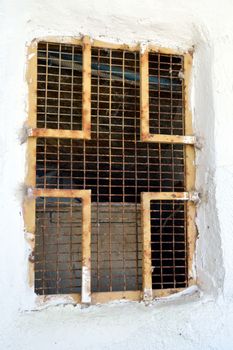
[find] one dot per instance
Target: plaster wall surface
(200, 319)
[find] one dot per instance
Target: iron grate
(114, 164)
(58, 260)
(169, 244)
(166, 98)
(59, 86)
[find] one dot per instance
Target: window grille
(111, 135)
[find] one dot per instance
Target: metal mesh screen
(58, 258)
(113, 172)
(169, 244)
(59, 86)
(114, 164)
(166, 98)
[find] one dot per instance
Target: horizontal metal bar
(35, 192)
(186, 196)
(159, 138)
(57, 133)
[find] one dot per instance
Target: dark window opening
(114, 164)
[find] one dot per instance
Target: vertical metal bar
(86, 248)
(144, 95)
(123, 159)
(72, 90)
(98, 169)
(173, 179)
(59, 88)
(171, 99)
(136, 173)
(86, 200)
(146, 239)
(159, 97)
(72, 273)
(29, 205)
(160, 177)
(110, 169)
(44, 213)
(173, 245)
(86, 84)
(57, 244)
(189, 168)
(161, 243)
(46, 83)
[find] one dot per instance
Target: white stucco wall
(199, 321)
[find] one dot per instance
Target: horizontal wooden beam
(56, 133)
(160, 138)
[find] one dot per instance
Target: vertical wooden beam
(190, 169)
(86, 84)
(30, 180)
(86, 248)
(146, 247)
(144, 95)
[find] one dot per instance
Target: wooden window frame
(86, 297)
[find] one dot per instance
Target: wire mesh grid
(116, 166)
(59, 86)
(168, 244)
(166, 99)
(58, 255)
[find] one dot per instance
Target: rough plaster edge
(192, 293)
(110, 40)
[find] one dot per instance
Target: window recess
(111, 211)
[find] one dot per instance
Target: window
(110, 171)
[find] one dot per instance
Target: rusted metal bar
(177, 139)
(56, 133)
(146, 248)
(41, 192)
(190, 171)
(86, 93)
(144, 95)
(86, 248)
(104, 45)
(29, 203)
(167, 196)
(164, 51)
